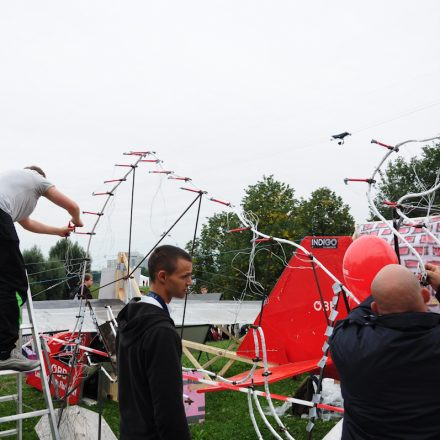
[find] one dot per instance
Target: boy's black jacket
(150, 390)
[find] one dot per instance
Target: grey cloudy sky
(223, 91)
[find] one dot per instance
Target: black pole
(192, 253)
(99, 401)
(318, 285)
(131, 219)
(396, 225)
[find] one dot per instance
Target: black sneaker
(16, 361)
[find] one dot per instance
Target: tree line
(58, 275)
(221, 258)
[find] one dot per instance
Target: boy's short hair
(165, 258)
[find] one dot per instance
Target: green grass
(227, 414)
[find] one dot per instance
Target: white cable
(264, 418)
(252, 415)
(266, 386)
(373, 207)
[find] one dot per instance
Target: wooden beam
(132, 279)
(220, 352)
(194, 361)
(226, 367)
(119, 291)
(211, 361)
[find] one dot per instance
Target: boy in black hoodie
(149, 351)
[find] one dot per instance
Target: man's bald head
(395, 289)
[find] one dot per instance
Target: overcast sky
(224, 92)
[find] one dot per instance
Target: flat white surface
(54, 316)
(335, 433)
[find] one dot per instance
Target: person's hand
(66, 230)
(77, 222)
(433, 272)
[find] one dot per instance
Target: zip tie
(103, 194)
(151, 160)
(370, 181)
(336, 288)
(322, 362)
(194, 190)
(415, 225)
(161, 172)
(85, 233)
(219, 201)
(389, 147)
(93, 213)
(262, 240)
(316, 398)
(329, 331)
(333, 315)
(186, 179)
(115, 180)
(239, 229)
(390, 204)
(125, 165)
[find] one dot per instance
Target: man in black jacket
(149, 351)
(387, 353)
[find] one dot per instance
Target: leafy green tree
(324, 213)
(36, 269)
(402, 177)
(221, 258)
(66, 260)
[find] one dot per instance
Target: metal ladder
(18, 397)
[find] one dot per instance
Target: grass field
(227, 414)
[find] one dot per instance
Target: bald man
(387, 353)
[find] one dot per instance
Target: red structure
(294, 317)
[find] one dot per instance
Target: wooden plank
(194, 361)
(226, 367)
(220, 352)
(119, 292)
(211, 361)
(132, 279)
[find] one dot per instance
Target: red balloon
(364, 258)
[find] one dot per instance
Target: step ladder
(18, 397)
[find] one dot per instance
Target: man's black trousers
(13, 283)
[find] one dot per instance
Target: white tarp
(336, 432)
(76, 423)
(54, 316)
